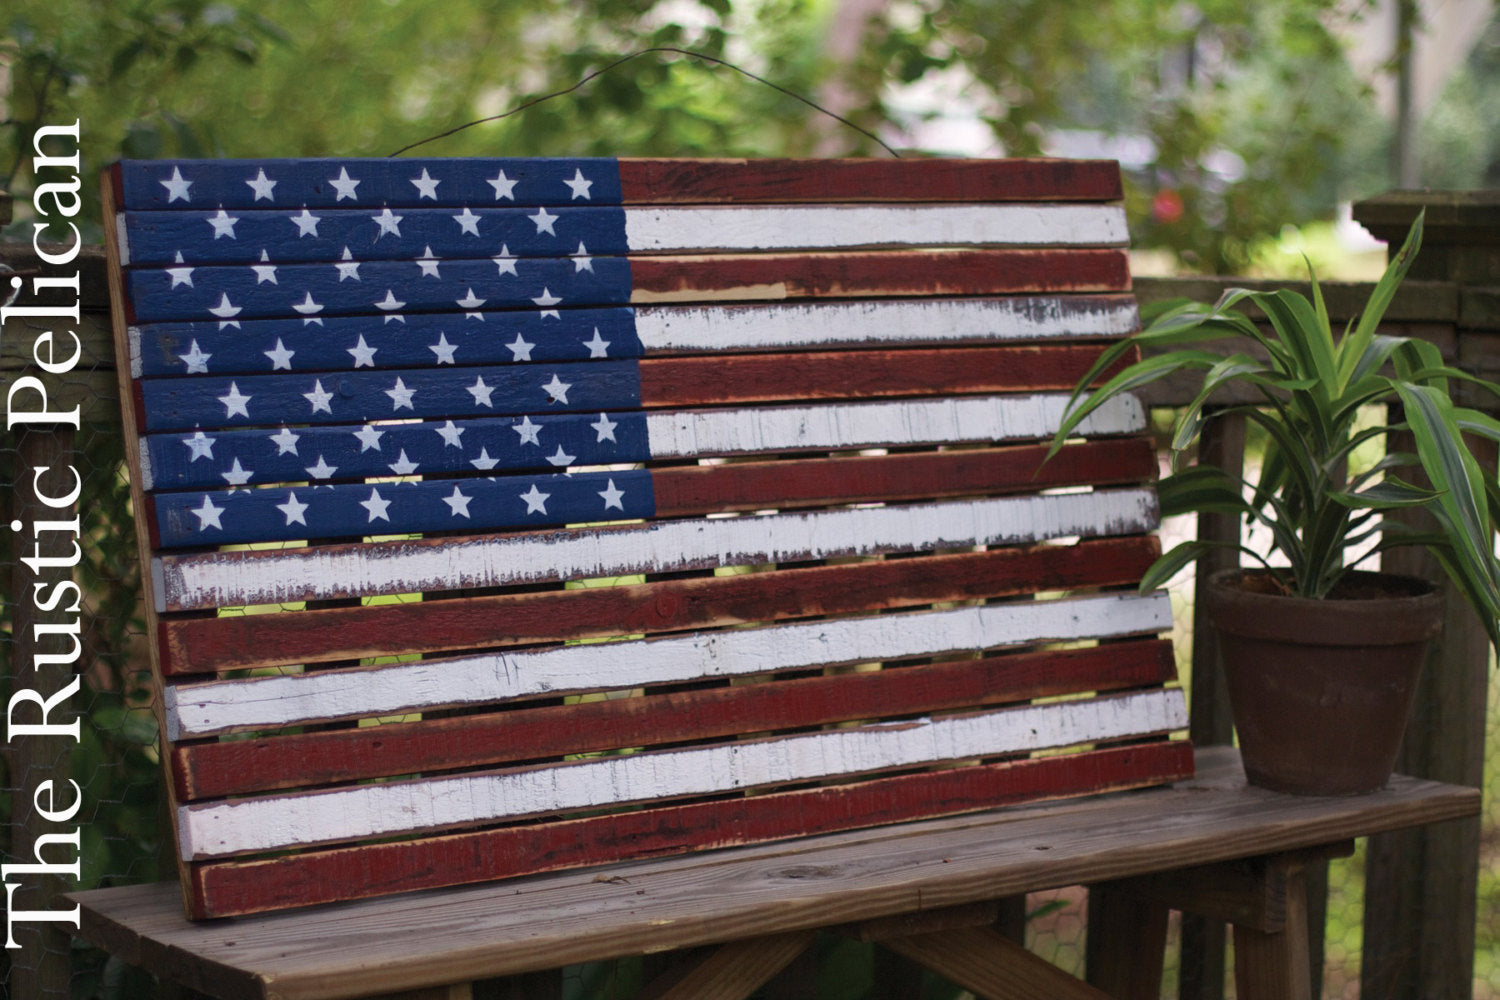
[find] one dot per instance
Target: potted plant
(1318, 652)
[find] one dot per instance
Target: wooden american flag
(412, 439)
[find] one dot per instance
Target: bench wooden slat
(415, 412)
(534, 181)
(197, 644)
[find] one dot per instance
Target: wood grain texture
(205, 580)
(237, 767)
(992, 966)
(195, 644)
(854, 179)
(735, 971)
(320, 876)
(550, 920)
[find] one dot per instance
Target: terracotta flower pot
(1321, 689)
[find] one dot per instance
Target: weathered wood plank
(228, 579)
(235, 767)
(210, 708)
(197, 644)
(310, 878)
(273, 238)
(734, 971)
(992, 966)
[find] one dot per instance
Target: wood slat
(230, 888)
(195, 644)
(191, 581)
(287, 237)
(476, 504)
(236, 767)
(239, 705)
(627, 331)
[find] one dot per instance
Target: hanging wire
(634, 55)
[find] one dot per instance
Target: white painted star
(208, 515)
(484, 461)
(234, 402)
(557, 389)
(262, 186)
(225, 309)
(598, 347)
(344, 185)
(195, 359)
(506, 261)
(322, 470)
(581, 260)
(319, 398)
(265, 271)
(561, 458)
(443, 350)
(237, 474)
(400, 395)
(377, 506)
(428, 262)
(201, 446)
(364, 354)
(286, 441)
(390, 302)
(580, 185)
(481, 392)
(520, 348)
(536, 500)
(307, 223)
(426, 185)
(457, 503)
(223, 224)
(605, 428)
(388, 222)
(612, 497)
(544, 221)
(403, 466)
(450, 433)
(307, 306)
(469, 301)
(468, 222)
(503, 186)
(369, 438)
(176, 186)
(293, 509)
(347, 266)
(180, 275)
(280, 356)
(528, 431)
(547, 300)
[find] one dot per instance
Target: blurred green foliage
(1239, 118)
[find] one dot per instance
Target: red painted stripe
(777, 276)
(234, 888)
(238, 767)
(688, 181)
(195, 643)
(688, 490)
(747, 378)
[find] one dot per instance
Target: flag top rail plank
(512, 515)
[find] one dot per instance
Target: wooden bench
(509, 517)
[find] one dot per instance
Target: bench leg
(733, 971)
(1126, 943)
(1274, 966)
(983, 960)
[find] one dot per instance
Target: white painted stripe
(133, 338)
(268, 824)
(687, 433)
(229, 579)
(121, 240)
(785, 227)
(872, 322)
(271, 702)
